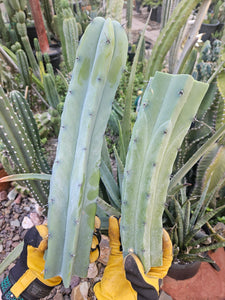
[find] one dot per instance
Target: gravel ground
(15, 217)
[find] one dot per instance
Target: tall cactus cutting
(168, 107)
(100, 60)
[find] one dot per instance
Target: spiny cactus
(100, 60)
(19, 134)
(23, 66)
(168, 106)
(22, 30)
(208, 60)
(70, 31)
(52, 96)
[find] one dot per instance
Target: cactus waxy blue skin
(101, 58)
(169, 104)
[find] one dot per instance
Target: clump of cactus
(100, 60)
(208, 60)
(48, 123)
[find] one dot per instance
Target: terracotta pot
(184, 271)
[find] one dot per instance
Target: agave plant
(185, 219)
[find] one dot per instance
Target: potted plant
(209, 26)
(186, 220)
(156, 6)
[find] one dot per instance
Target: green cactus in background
(70, 31)
(114, 9)
(47, 9)
(100, 60)
(208, 60)
(23, 66)
(168, 106)
(19, 134)
(168, 35)
(4, 33)
(15, 9)
(51, 94)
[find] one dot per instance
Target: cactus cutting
(169, 104)
(100, 60)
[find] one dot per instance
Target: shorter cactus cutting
(100, 60)
(169, 105)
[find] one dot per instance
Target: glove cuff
(6, 285)
(35, 290)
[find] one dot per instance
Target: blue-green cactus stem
(100, 60)
(168, 106)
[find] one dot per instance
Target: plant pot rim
(183, 271)
(211, 24)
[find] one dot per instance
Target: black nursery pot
(208, 30)
(32, 33)
(55, 56)
(184, 271)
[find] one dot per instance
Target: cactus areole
(100, 61)
(169, 105)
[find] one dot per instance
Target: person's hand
(125, 279)
(26, 279)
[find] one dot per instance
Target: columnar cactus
(23, 66)
(70, 31)
(100, 60)
(19, 134)
(168, 106)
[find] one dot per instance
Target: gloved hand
(125, 279)
(26, 279)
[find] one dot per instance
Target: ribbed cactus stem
(70, 31)
(168, 106)
(23, 66)
(17, 142)
(100, 60)
(30, 55)
(24, 113)
(51, 93)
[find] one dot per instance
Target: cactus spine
(101, 57)
(168, 107)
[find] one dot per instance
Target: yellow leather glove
(125, 279)
(26, 279)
